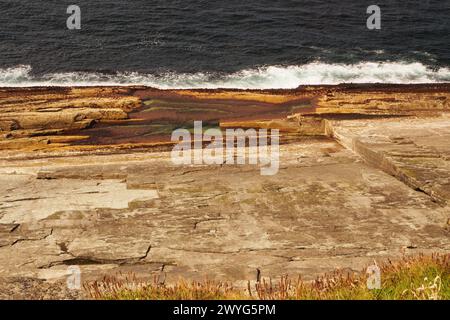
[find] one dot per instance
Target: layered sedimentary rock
(386, 100)
(357, 181)
(134, 117)
(46, 112)
(416, 151)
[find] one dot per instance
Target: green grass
(411, 278)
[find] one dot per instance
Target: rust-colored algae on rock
(106, 116)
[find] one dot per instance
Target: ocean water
(223, 43)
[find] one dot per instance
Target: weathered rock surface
(416, 151)
(31, 112)
(386, 100)
(325, 209)
(350, 189)
(86, 119)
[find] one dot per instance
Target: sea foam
(266, 77)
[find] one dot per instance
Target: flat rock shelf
(86, 179)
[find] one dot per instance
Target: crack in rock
(32, 239)
(89, 260)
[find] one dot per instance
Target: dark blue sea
(223, 43)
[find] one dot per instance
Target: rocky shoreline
(55, 118)
(86, 180)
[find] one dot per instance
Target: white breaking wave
(270, 77)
